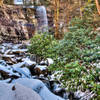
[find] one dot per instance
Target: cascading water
(42, 20)
(18, 2)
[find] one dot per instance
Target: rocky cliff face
(14, 26)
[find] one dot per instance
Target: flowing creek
(20, 72)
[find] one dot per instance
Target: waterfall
(42, 20)
(18, 2)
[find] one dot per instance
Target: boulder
(23, 71)
(17, 92)
(29, 63)
(47, 62)
(19, 51)
(39, 87)
(9, 59)
(41, 69)
(7, 72)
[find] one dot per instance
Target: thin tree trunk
(1, 2)
(80, 5)
(98, 6)
(57, 4)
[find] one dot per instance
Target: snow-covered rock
(97, 65)
(39, 87)
(49, 61)
(28, 62)
(41, 69)
(17, 92)
(23, 71)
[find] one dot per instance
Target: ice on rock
(8, 71)
(5, 81)
(49, 61)
(23, 71)
(39, 87)
(8, 56)
(27, 71)
(17, 92)
(41, 67)
(3, 49)
(2, 62)
(6, 92)
(9, 45)
(19, 50)
(28, 62)
(7, 52)
(22, 64)
(16, 46)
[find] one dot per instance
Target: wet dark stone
(13, 88)
(71, 96)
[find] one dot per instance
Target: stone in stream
(19, 59)
(23, 46)
(23, 71)
(33, 57)
(20, 65)
(45, 80)
(7, 72)
(7, 52)
(16, 46)
(17, 92)
(6, 80)
(7, 45)
(41, 69)
(9, 59)
(19, 51)
(2, 49)
(0, 56)
(2, 62)
(39, 87)
(47, 62)
(29, 63)
(59, 91)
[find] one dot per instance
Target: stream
(22, 77)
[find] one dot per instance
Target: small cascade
(42, 20)
(18, 2)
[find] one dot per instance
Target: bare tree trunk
(80, 5)
(57, 5)
(1, 2)
(98, 6)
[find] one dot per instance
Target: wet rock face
(14, 25)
